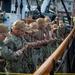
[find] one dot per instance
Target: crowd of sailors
(26, 46)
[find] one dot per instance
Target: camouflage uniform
(2, 62)
(20, 65)
(62, 29)
(5, 53)
(50, 43)
(53, 46)
(48, 28)
(43, 34)
(59, 34)
(62, 32)
(16, 42)
(54, 43)
(45, 47)
(34, 54)
(30, 52)
(40, 36)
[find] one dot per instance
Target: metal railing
(66, 54)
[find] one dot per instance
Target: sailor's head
(40, 22)
(19, 27)
(3, 31)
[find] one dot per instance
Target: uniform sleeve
(8, 54)
(31, 39)
(9, 43)
(9, 51)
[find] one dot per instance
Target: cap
(47, 19)
(33, 27)
(40, 21)
(19, 24)
(4, 29)
(55, 26)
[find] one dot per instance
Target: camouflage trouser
(38, 57)
(2, 67)
(22, 69)
(45, 52)
(49, 49)
(53, 46)
(59, 41)
(31, 64)
(18, 66)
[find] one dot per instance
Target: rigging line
(16, 6)
(21, 6)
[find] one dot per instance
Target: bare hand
(45, 41)
(19, 52)
(29, 44)
(24, 47)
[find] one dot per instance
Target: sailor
(41, 35)
(5, 52)
(16, 42)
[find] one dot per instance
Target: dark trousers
(2, 69)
